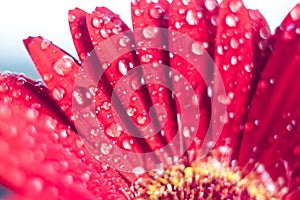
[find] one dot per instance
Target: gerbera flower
(228, 130)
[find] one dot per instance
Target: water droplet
(114, 130)
(248, 67)
(150, 32)
(295, 14)
(48, 77)
(131, 111)
(64, 65)
(141, 119)
(5, 111)
(82, 96)
(105, 148)
(264, 33)
(234, 43)
(104, 33)
(178, 25)
(126, 144)
(77, 36)
(58, 93)
(124, 41)
(186, 2)
(138, 12)
(226, 67)
(32, 114)
(230, 20)
(233, 60)
(146, 58)
(197, 49)
(97, 22)
(85, 177)
(71, 18)
(138, 170)
(235, 6)
(186, 132)
(224, 99)
(45, 44)
(220, 50)
(191, 17)
(289, 127)
(156, 12)
(210, 4)
(248, 35)
(122, 66)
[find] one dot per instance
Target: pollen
(207, 179)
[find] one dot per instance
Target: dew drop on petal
(186, 2)
(64, 65)
(191, 17)
(210, 4)
(114, 130)
(124, 41)
(77, 36)
(234, 43)
(122, 67)
(156, 12)
(264, 33)
(138, 12)
(58, 93)
(131, 111)
(126, 144)
(105, 148)
(71, 18)
(141, 119)
(295, 14)
(45, 44)
(235, 6)
(233, 60)
(97, 22)
(197, 49)
(150, 32)
(230, 20)
(138, 170)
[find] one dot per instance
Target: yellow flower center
(202, 180)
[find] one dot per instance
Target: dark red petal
(57, 68)
(80, 34)
(186, 17)
(111, 25)
(19, 91)
(210, 10)
(261, 36)
(42, 158)
(272, 128)
(149, 19)
(234, 59)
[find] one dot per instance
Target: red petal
(57, 68)
(112, 25)
(42, 158)
(19, 91)
(272, 131)
(80, 34)
(186, 18)
(261, 36)
(210, 9)
(234, 59)
(149, 19)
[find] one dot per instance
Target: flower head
(198, 101)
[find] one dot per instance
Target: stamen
(207, 179)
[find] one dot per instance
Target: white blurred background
(20, 19)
